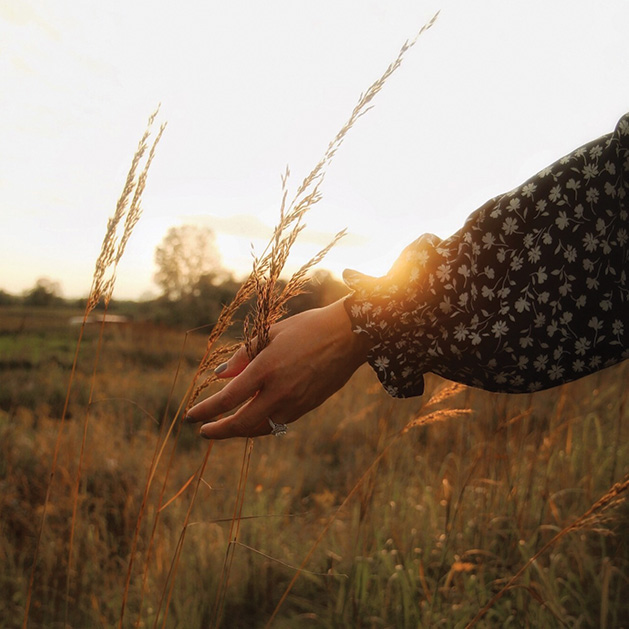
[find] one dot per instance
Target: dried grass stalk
(437, 416)
(268, 266)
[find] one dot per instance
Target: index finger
(243, 387)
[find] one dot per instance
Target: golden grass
(478, 489)
(112, 249)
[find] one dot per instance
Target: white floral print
(530, 293)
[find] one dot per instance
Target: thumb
(234, 365)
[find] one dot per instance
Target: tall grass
(457, 509)
(426, 536)
(112, 250)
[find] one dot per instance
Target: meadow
(460, 508)
(411, 513)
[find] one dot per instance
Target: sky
(493, 93)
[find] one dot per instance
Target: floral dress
(532, 292)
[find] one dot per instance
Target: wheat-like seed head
(128, 208)
(598, 513)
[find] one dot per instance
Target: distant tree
(6, 299)
(46, 292)
(185, 255)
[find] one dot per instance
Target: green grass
(437, 525)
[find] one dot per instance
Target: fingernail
(188, 418)
(220, 368)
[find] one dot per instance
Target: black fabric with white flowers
(530, 293)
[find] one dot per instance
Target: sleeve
(532, 292)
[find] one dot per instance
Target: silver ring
(277, 430)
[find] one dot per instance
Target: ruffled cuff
(388, 310)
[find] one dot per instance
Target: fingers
(251, 420)
(239, 390)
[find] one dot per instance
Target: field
(412, 513)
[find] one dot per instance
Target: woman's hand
(311, 355)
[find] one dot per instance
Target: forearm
(530, 293)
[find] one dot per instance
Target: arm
(530, 293)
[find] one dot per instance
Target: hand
(311, 355)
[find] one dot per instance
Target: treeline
(203, 305)
(199, 307)
(45, 293)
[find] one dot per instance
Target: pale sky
(491, 94)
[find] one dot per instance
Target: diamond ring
(278, 430)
